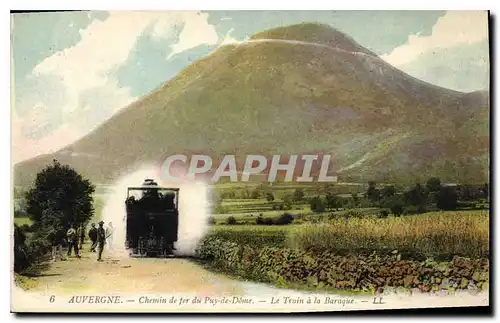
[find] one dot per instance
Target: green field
(434, 234)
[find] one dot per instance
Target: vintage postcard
(250, 161)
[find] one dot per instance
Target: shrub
(447, 198)
(317, 204)
(284, 219)
(268, 221)
(255, 194)
(397, 209)
(383, 214)
(298, 195)
(231, 220)
(21, 257)
(27, 228)
(212, 220)
(396, 205)
(59, 188)
(29, 250)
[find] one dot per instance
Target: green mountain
(305, 88)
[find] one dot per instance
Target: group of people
(75, 237)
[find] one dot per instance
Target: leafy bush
(268, 221)
(21, 252)
(29, 250)
(383, 214)
(298, 195)
(317, 204)
(284, 219)
(231, 220)
(59, 197)
(447, 198)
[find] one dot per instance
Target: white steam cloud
(194, 210)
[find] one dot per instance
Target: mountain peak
(313, 33)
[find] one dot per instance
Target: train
(152, 220)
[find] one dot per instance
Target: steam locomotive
(152, 220)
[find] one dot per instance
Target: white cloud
(24, 147)
(454, 28)
(228, 39)
(196, 31)
(86, 74)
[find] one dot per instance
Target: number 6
(52, 299)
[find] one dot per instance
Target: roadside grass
(25, 282)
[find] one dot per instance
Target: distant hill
(305, 88)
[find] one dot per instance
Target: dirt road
(122, 275)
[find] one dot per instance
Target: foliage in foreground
(59, 198)
(29, 248)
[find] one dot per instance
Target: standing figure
(57, 239)
(72, 237)
(93, 237)
(101, 240)
(81, 235)
(109, 235)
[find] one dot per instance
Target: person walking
(57, 239)
(93, 237)
(81, 236)
(101, 240)
(109, 235)
(72, 237)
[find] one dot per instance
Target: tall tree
(332, 201)
(298, 195)
(447, 198)
(372, 193)
(269, 196)
(317, 204)
(416, 196)
(355, 199)
(60, 196)
(388, 191)
(433, 184)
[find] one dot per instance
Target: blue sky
(73, 70)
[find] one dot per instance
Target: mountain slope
(309, 89)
